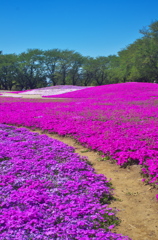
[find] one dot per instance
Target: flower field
(49, 192)
(120, 120)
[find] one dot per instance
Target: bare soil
(29, 96)
(7, 94)
(5, 91)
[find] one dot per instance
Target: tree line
(36, 68)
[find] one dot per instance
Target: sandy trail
(20, 95)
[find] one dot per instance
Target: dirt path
(31, 96)
(7, 94)
(137, 204)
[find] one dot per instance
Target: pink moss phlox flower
(119, 120)
(49, 192)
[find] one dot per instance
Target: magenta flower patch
(49, 192)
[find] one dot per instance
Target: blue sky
(92, 28)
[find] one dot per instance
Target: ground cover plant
(53, 90)
(49, 192)
(119, 120)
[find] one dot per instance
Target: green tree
(139, 60)
(95, 71)
(64, 66)
(8, 69)
(51, 61)
(114, 70)
(101, 65)
(87, 72)
(74, 72)
(31, 69)
(150, 51)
